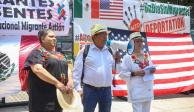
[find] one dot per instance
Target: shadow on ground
(120, 99)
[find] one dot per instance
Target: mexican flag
(78, 8)
(85, 5)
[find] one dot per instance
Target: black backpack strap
(110, 50)
(85, 53)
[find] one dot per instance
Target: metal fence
(20, 98)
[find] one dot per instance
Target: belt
(93, 87)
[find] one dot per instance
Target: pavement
(167, 103)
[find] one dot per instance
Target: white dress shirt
(97, 68)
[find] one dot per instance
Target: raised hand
(131, 21)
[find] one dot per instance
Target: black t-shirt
(42, 95)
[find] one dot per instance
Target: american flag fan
(173, 55)
(111, 9)
(107, 9)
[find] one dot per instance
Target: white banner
(137, 16)
(22, 17)
(142, 16)
(160, 17)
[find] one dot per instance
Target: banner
(165, 18)
(85, 17)
(23, 17)
(173, 55)
(162, 23)
(20, 19)
(129, 15)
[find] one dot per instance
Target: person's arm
(139, 72)
(125, 72)
(44, 75)
(77, 70)
(117, 57)
(151, 64)
(70, 84)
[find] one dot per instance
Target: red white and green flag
(100, 9)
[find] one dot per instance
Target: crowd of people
(91, 76)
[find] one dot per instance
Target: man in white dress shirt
(97, 78)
